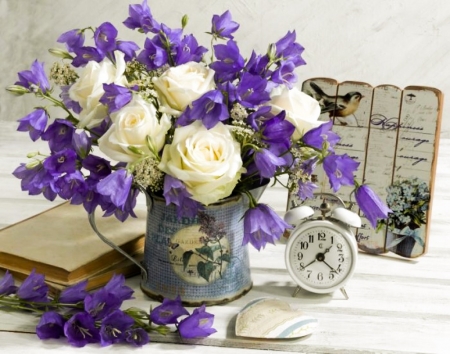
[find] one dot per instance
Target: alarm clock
(321, 252)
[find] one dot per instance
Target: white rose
(207, 161)
(131, 125)
(88, 89)
(302, 110)
(178, 86)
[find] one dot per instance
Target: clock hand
(334, 270)
(304, 267)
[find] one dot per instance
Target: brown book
(61, 244)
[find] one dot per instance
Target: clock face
(320, 256)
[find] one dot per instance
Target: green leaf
(206, 251)
(186, 257)
(225, 257)
(205, 269)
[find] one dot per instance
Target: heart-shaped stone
(273, 318)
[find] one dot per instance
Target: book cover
(61, 244)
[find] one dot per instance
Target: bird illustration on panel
(342, 107)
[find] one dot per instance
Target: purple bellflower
(197, 325)
(101, 303)
(73, 39)
(284, 74)
(168, 312)
(209, 108)
(114, 326)
(126, 210)
(98, 167)
(7, 286)
(68, 102)
(105, 37)
(371, 205)
(175, 192)
(141, 18)
(251, 90)
(257, 65)
(189, 50)
(267, 163)
(80, 330)
(153, 56)
(115, 97)
(63, 161)
(82, 143)
(137, 336)
(34, 123)
(70, 184)
(51, 325)
(340, 169)
(290, 50)
(322, 134)
(86, 54)
(34, 78)
(128, 48)
(59, 135)
(277, 130)
(223, 26)
(116, 186)
(262, 225)
(33, 288)
(229, 61)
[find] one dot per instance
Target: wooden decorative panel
(394, 134)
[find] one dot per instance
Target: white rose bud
(178, 86)
(131, 126)
(88, 89)
(302, 110)
(207, 161)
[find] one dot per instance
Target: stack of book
(61, 244)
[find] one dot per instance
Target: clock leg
(296, 291)
(344, 293)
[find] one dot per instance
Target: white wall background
(401, 42)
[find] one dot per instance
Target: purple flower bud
(82, 143)
(105, 37)
(141, 18)
(33, 288)
(7, 286)
(34, 123)
(115, 97)
(137, 336)
(340, 169)
(318, 136)
(197, 325)
(80, 330)
(116, 286)
(116, 186)
(51, 325)
(209, 108)
(74, 294)
(168, 312)
(371, 205)
(262, 225)
(114, 326)
(223, 26)
(73, 39)
(34, 78)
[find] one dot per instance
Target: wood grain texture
(395, 306)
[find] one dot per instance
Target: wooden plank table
(395, 306)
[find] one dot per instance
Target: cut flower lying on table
(97, 317)
(176, 121)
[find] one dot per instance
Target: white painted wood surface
(395, 305)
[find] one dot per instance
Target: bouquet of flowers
(171, 119)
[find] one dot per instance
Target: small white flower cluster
(148, 175)
(63, 74)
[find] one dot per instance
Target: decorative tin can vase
(200, 259)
